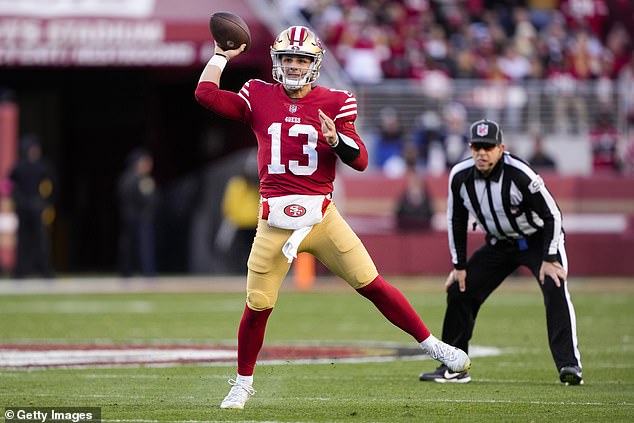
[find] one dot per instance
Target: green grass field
(520, 385)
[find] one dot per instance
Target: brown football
(229, 30)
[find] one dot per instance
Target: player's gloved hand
(554, 270)
(229, 54)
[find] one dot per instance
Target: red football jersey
(293, 156)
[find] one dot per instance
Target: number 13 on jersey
(309, 149)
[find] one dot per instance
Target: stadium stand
(598, 219)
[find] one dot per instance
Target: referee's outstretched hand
(554, 270)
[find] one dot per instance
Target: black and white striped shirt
(511, 203)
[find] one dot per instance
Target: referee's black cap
(486, 131)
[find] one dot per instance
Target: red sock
(393, 304)
(251, 338)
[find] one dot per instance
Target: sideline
(185, 284)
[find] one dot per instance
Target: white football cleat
(454, 358)
(238, 395)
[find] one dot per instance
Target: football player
(302, 131)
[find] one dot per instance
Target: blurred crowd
(439, 141)
(580, 49)
(483, 39)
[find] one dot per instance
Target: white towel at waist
(292, 243)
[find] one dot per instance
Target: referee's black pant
(486, 270)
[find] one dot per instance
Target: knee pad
(258, 300)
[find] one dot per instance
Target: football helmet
(296, 40)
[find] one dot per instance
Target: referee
(522, 221)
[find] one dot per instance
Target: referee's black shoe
(571, 375)
(443, 375)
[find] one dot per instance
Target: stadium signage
(77, 7)
(93, 42)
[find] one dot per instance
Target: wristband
(218, 60)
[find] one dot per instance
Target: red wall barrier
(590, 253)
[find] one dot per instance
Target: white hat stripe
(298, 34)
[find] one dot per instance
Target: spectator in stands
(427, 135)
(454, 138)
(626, 94)
(565, 92)
(362, 49)
(604, 139)
(464, 65)
(415, 206)
(604, 84)
(552, 39)
(525, 33)
(450, 29)
(513, 65)
(618, 46)
(540, 160)
(515, 68)
(390, 137)
(437, 47)
(582, 14)
(436, 83)
(398, 64)
(584, 51)
(442, 141)
(628, 158)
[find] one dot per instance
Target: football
(229, 30)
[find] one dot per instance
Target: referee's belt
(521, 244)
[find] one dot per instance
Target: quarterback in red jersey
(302, 131)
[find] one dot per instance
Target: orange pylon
(304, 271)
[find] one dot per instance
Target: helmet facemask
(296, 41)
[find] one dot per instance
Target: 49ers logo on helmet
(294, 210)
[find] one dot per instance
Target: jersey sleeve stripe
(245, 100)
(244, 93)
(521, 166)
(350, 106)
(548, 199)
(351, 113)
(459, 167)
